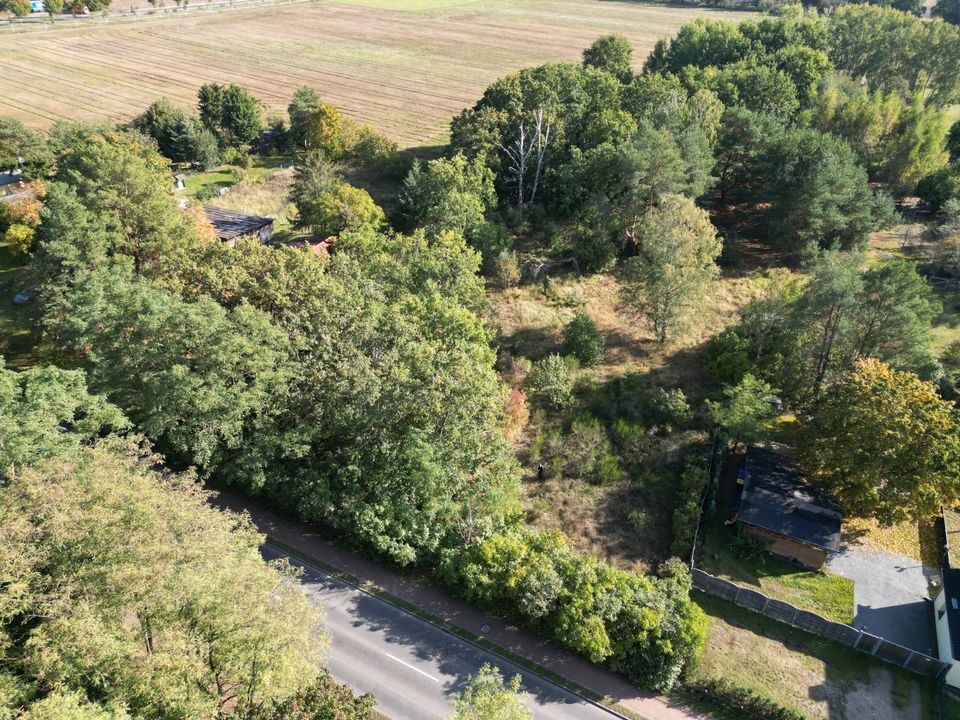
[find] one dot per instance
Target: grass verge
(828, 595)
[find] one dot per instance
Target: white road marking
(415, 669)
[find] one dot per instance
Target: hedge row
(644, 627)
(741, 701)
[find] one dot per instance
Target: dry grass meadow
(404, 66)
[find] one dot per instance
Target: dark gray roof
(231, 224)
(951, 594)
(776, 498)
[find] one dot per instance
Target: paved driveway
(888, 595)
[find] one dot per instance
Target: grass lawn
(828, 595)
(227, 176)
(819, 678)
(17, 335)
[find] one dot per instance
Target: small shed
(231, 225)
(798, 521)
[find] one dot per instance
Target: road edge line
(479, 641)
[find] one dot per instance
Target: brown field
(406, 70)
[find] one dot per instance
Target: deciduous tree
(488, 697)
(676, 257)
(885, 443)
(746, 410)
(128, 589)
(612, 53)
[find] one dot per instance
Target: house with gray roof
(797, 520)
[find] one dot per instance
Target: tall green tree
(894, 50)
(949, 10)
(819, 193)
(231, 112)
(885, 443)
(339, 208)
(202, 382)
(746, 410)
(22, 147)
(126, 185)
(240, 118)
(676, 257)
(612, 53)
(48, 412)
(304, 101)
(447, 194)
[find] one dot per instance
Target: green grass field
(828, 595)
(819, 678)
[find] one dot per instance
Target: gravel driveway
(889, 595)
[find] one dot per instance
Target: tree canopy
(885, 443)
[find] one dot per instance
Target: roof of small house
(231, 224)
(319, 247)
(951, 594)
(13, 187)
(776, 498)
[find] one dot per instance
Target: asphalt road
(413, 667)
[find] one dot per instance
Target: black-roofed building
(798, 521)
(946, 604)
(231, 225)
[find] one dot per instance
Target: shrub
(594, 250)
(491, 240)
(686, 513)
(667, 408)
(505, 269)
(375, 151)
(638, 519)
(589, 453)
(238, 158)
(207, 192)
(583, 340)
(740, 700)
(730, 357)
(748, 547)
(632, 441)
(550, 382)
(19, 238)
(645, 627)
(940, 186)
